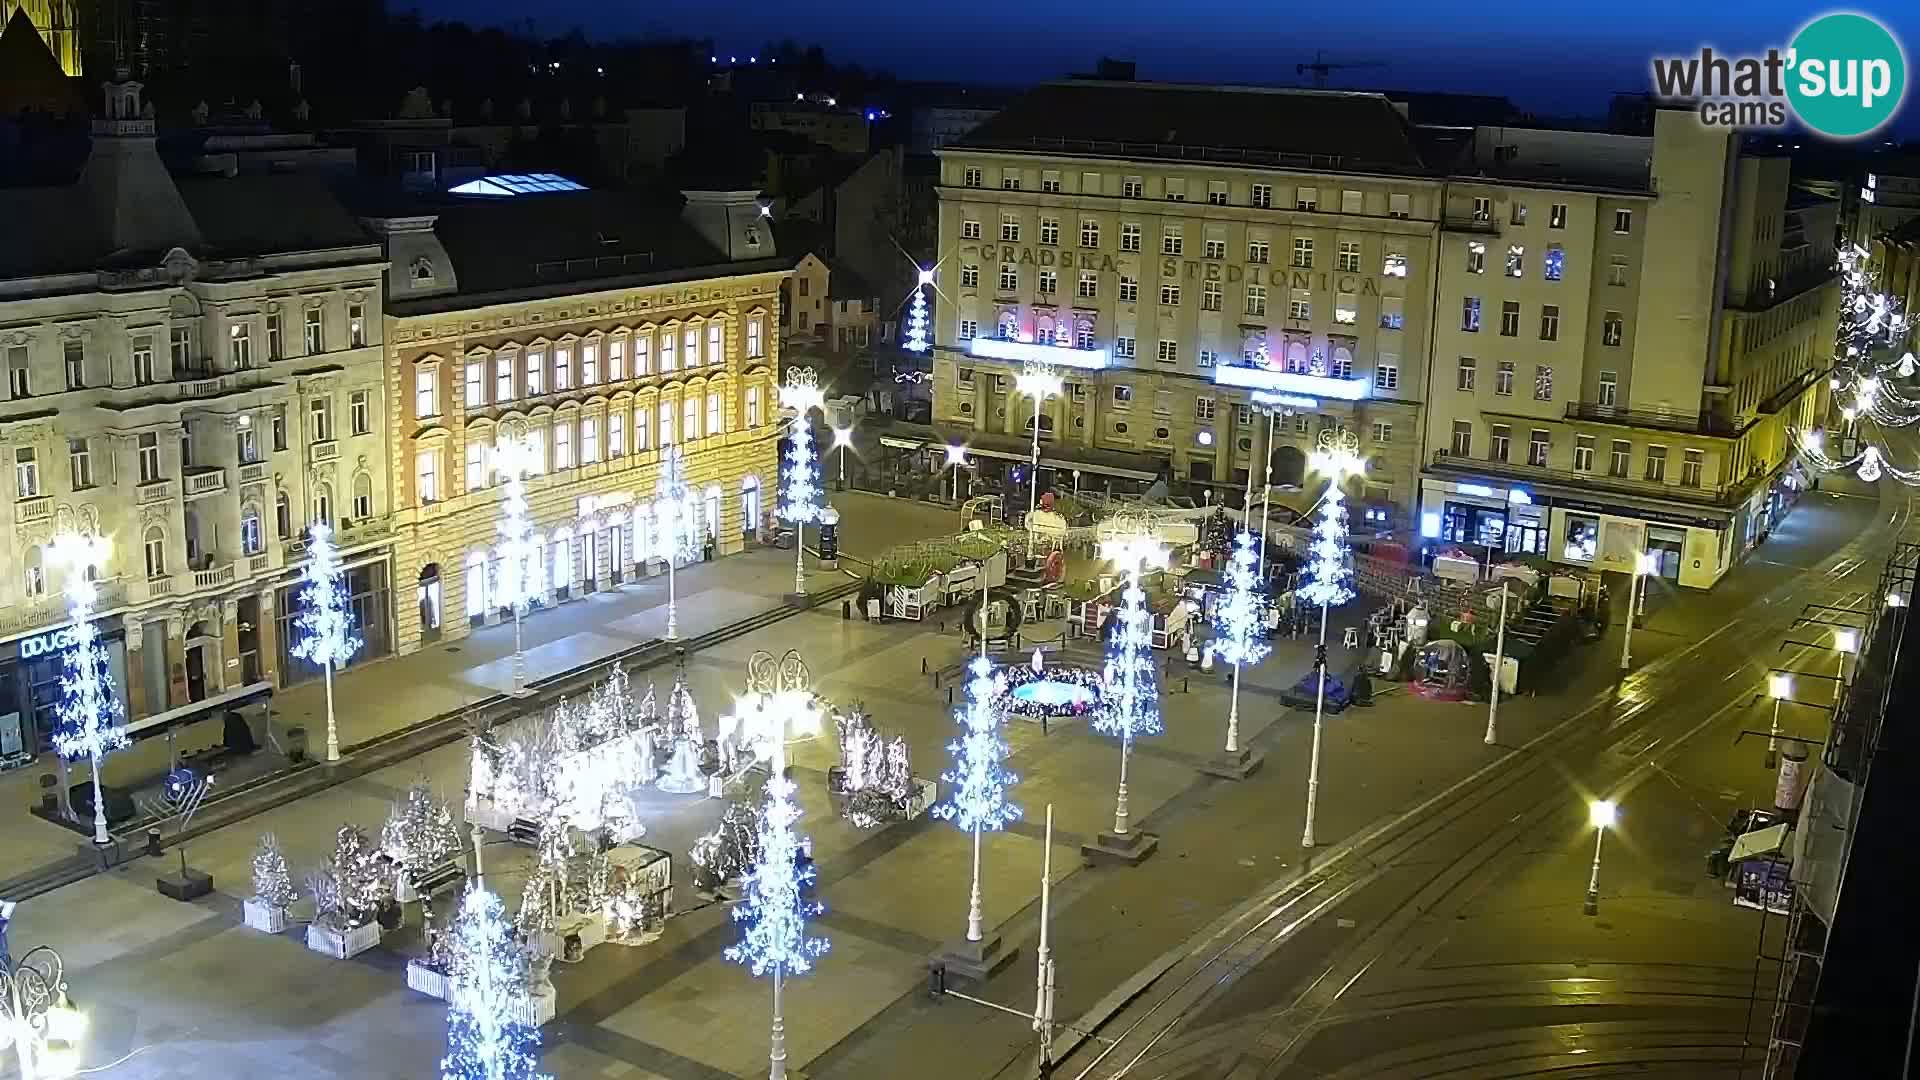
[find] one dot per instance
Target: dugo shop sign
(46, 643)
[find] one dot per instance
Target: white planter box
(342, 944)
(925, 794)
(537, 1008)
(591, 928)
(263, 917)
(426, 980)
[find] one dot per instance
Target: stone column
(269, 637)
(228, 677)
(137, 704)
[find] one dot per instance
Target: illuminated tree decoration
(90, 714)
(420, 834)
(916, 336)
(272, 883)
(774, 909)
(978, 778)
(1236, 620)
(325, 624)
(678, 530)
(1130, 701)
(488, 984)
(1329, 576)
(514, 458)
(800, 497)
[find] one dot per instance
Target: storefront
(371, 603)
(1501, 519)
(31, 668)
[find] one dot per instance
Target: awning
(898, 443)
(1103, 470)
(159, 723)
(1758, 842)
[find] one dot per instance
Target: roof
(1312, 129)
(30, 77)
(268, 213)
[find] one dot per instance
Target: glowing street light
(1779, 688)
(843, 438)
(1601, 813)
(1338, 457)
(956, 460)
(1845, 643)
(90, 713)
(1037, 381)
(1644, 563)
(36, 1016)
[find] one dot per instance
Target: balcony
(259, 564)
(204, 480)
(1470, 223)
(160, 586)
(213, 578)
(32, 509)
(154, 491)
(324, 451)
(254, 473)
(1689, 423)
(347, 535)
(1716, 495)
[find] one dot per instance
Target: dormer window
(753, 236)
(422, 272)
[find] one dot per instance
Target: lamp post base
(1592, 906)
(1131, 849)
(1238, 765)
(974, 961)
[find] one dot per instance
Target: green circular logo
(1846, 75)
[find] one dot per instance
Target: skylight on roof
(516, 184)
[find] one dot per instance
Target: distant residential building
(805, 314)
(934, 126)
(844, 130)
(1886, 200)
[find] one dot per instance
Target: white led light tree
(775, 905)
(1236, 621)
(979, 779)
(1329, 578)
(677, 528)
(1037, 381)
(90, 714)
(514, 457)
(325, 624)
(487, 1038)
(1130, 703)
(800, 495)
(916, 334)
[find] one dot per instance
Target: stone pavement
(188, 989)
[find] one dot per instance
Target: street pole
(1120, 804)
(1043, 988)
(778, 1056)
(100, 837)
(1319, 708)
(333, 744)
(1773, 737)
(673, 612)
(1593, 879)
(1266, 497)
(1499, 666)
(1033, 489)
(479, 839)
(1233, 713)
(519, 656)
(843, 466)
(974, 917)
(1626, 642)
(799, 557)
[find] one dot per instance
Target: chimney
(732, 221)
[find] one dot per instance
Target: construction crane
(1320, 68)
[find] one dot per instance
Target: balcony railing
(1469, 222)
(1692, 423)
(1719, 495)
(324, 451)
(154, 491)
(205, 480)
(254, 473)
(214, 578)
(348, 534)
(160, 586)
(35, 508)
(259, 564)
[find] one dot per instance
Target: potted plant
(273, 892)
(347, 894)
(428, 973)
(419, 837)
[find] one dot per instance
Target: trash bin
(296, 744)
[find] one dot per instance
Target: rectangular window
(971, 178)
(617, 433)
(716, 343)
(1129, 236)
(1399, 206)
(589, 440)
(26, 473)
(1503, 379)
(1462, 438)
(1509, 318)
(1583, 453)
(357, 325)
(1171, 240)
(689, 417)
(427, 475)
(1554, 266)
(1617, 270)
(180, 349)
(690, 348)
(476, 465)
(239, 347)
(1557, 216)
(1300, 305)
(969, 329)
(1386, 373)
(1206, 358)
(280, 427)
(1089, 285)
(1550, 322)
(143, 373)
(669, 349)
(1516, 260)
(1303, 252)
(80, 463)
(360, 412)
(1611, 328)
(1216, 193)
(1050, 181)
(643, 427)
(1657, 464)
(969, 230)
(1351, 202)
(1342, 365)
(755, 342)
(1049, 281)
(969, 276)
(316, 336)
(1009, 228)
(1123, 347)
(1259, 251)
(426, 392)
(1261, 195)
(320, 420)
(1129, 290)
(1392, 313)
(1210, 296)
(1089, 234)
(1542, 382)
(1539, 445)
(1346, 308)
(1621, 458)
(1169, 351)
(1394, 265)
(1122, 397)
(276, 336)
(716, 420)
(536, 372)
(1464, 377)
(1010, 180)
(1215, 248)
(1306, 198)
(1050, 231)
(590, 363)
(1382, 431)
(1482, 209)
(563, 444)
(1692, 462)
(1132, 187)
(1009, 277)
(1170, 295)
(1623, 221)
(1609, 387)
(1203, 409)
(1500, 442)
(1348, 258)
(149, 458)
(1083, 336)
(476, 383)
(1476, 257)
(503, 377)
(1519, 213)
(1470, 314)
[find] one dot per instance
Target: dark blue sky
(1537, 52)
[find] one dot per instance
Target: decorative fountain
(1035, 690)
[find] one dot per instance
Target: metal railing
(1695, 423)
(1706, 495)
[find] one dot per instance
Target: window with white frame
(1539, 446)
(1176, 189)
(666, 425)
(1123, 397)
(362, 497)
(536, 370)
(1612, 328)
(426, 391)
(26, 473)
(1557, 216)
(716, 419)
(1170, 295)
(316, 334)
(755, 344)
(1657, 464)
(669, 350)
(476, 383)
(252, 535)
(1393, 314)
(1089, 233)
(1009, 228)
(716, 342)
(1346, 308)
(616, 359)
(1123, 347)
(1169, 351)
(1009, 277)
(969, 276)
(1623, 222)
(142, 354)
(1050, 181)
(1300, 305)
(239, 348)
(1399, 205)
(1476, 257)
(1692, 462)
(1348, 258)
(1049, 282)
(969, 329)
(1256, 299)
(589, 440)
(1482, 209)
(1462, 445)
(180, 352)
(1382, 431)
(589, 363)
(562, 443)
(1010, 180)
(972, 177)
(1609, 387)
(1550, 322)
(276, 336)
(1620, 460)
(1306, 198)
(642, 427)
(1259, 251)
(1129, 290)
(426, 473)
(1129, 236)
(1210, 295)
(690, 417)
(1303, 252)
(1583, 453)
(1216, 192)
(1132, 187)
(503, 377)
(1050, 231)
(80, 463)
(1499, 441)
(1171, 240)
(1214, 248)
(1206, 358)
(154, 547)
(360, 412)
(562, 368)
(1466, 373)
(1089, 287)
(357, 325)
(617, 433)
(1261, 195)
(320, 420)
(1386, 372)
(690, 347)
(476, 464)
(969, 230)
(148, 457)
(1503, 379)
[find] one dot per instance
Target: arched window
(1009, 329)
(322, 504)
(1342, 362)
(252, 540)
(1297, 357)
(282, 515)
(155, 545)
(362, 497)
(476, 584)
(36, 572)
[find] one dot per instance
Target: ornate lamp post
(1264, 402)
(956, 460)
(1131, 705)
(676, 533)
(43, 1026)
(842, 439)
(801, 393)
(90, 714)
(1338, 457)
(514, 456)
(1037, 381)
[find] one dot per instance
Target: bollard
(153, 839)
(923, 665)
(1184, 688)
(949, 695)
(846, 610)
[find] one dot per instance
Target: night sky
(1544, 58)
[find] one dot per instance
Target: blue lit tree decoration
(487, 1038)
(325, 624)
(677, 531)
(1236, 621)
(978, 780)
(775, 907)
(800, 495)
(90, 713)
(916, 335)
(1329, 577)
(1130, 705)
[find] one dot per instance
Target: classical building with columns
(603, 326)
(193, 370)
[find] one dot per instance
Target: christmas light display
(419, 835)
(90, 713)
(1337, 455)
(678, 530)
(359, 881)
(514, 456)
(729, 851)
(681, 728)
(800, 494)
(1037, 381)
(1869, 463)
(325, 625)
(272, 884)
(1055, 692)
(978, 779)
(875, 777)
(1237, 624)
(487, 1038)
(1130, 706)
(916, 335)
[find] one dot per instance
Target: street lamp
(956, 460)
(90, 712)
(801, 392)
(1037, 381)
(1601, 813)
(41, 1024)
(514, 457)
(1499, 665)
(1644, 564)
(1846, 643)
(1274, 412)
(843, 438)
(1338, 456)
(1779, 688)
(1132, 707)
